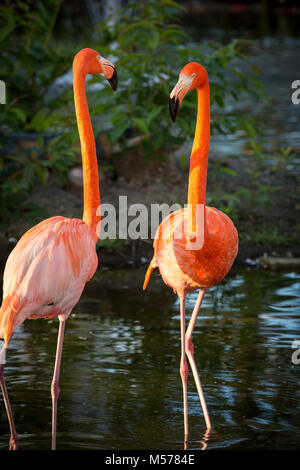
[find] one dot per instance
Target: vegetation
(35, 123)
(150, 47)
(148, 44)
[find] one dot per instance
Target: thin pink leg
(190, 355)
(13, 442)
(54, 385)
(183, 366)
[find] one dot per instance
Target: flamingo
(193, 248)
(47, 270)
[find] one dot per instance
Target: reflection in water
(201, 444)
(120, 382)
(205, 439)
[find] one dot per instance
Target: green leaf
(20, 114)
(229, 171)
(155, 111)
(183, 161)
(119, 130)
(250, 129)
(153, 39)
(141, 124)
(27, 177)
(219, 100)
(42, 173)
(8, 29)
(174, 4)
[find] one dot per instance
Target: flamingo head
(93, 63)
(193, 75)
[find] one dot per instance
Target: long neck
(91, 194)
(199, 156)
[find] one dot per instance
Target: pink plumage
(33, 286)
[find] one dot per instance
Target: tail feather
(8, 312)
(152, 265)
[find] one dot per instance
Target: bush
(30, 63)
(150, 47)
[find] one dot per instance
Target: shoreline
(266, 227)
(138, 253)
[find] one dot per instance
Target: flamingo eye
(51, 303)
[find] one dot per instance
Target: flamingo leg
(183, 366)
(190, 355)
(54, 385)
(13, 442)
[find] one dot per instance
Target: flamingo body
(186, 270)
(33, 286)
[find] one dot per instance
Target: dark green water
(120, 382)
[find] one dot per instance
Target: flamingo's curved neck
(199, 156)
(91, 194)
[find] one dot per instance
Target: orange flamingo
(194, 248)
(47, 270)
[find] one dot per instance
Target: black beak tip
(174, 107)
(113, 81)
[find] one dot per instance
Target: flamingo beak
(109, 72)
(113, 80)
(174, 107)
(178, 93)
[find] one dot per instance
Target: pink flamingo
(47, 270)
(192, 252)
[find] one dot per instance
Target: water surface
(120, 382)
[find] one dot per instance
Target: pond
(120, 382)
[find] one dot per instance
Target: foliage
(30, 64)
(267, 235)
(284, 157)
(150, 47)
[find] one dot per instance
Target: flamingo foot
(13, 442)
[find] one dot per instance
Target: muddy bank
(264, 228)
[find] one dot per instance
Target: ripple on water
(121, 387)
